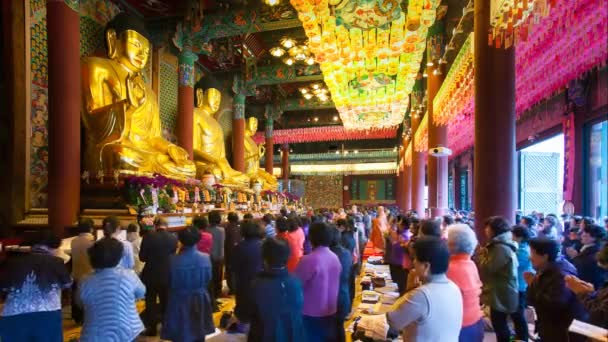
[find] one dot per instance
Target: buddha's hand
(136, 90)
(178, 154)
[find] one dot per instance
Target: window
(541, 168)
(597, 170)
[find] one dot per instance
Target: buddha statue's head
(209, 99)
(127, 42)
(252, 125)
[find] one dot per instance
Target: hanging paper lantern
(368, 56)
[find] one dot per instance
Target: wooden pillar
(457, 184)
(269, 154)
(63, 45)
(417, 172)
(16, 49)
(399, 189)
(407, 187)
(185, 100)
(238, 133)
(285, 162)
(438, 136)
(495, 157)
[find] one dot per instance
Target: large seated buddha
(208, 141)
(120, 113)
(253, 153)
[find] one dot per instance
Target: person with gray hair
(462, 242)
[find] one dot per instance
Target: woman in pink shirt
(463, 272)
(204, 244)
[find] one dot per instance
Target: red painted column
(495, 157)
(438, 136)
(63, 43)
(417, 172)
(285, 162)
(269, 154)
(407, 187)
(238, 133)
(457, 184)
(399, 189)
(185, 100)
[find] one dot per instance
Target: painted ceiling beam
(242, 21)
(282, 73)
(382, 155)
(300, 104)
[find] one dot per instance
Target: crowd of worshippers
(293, 277)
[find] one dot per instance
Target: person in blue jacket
(277, 298)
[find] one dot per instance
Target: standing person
(269, 226)
(295, 251)
(109, 296)
(134, 237)
(189, 313)
(247, 264)
(81, 266)
(277, 298)
(585, 261)
(446, 221)
(398, 254)
(521, 235)
(320, 275)
(295, 230)
(305, 221)
(379, 227)
(157, 247)
(431, 312)
(548, 229)
(344, 297)
(32, 283)
(232, 240)
(463, 272)
(498, 269)
(367, 223)
(351, 243)
(555, 305)
(204, 244)
(595, 300)
(572, 240)
(217, 256)
(530, 222)
(111, 230)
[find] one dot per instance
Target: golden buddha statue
(253, 153)
(120, 113)
(208, 141)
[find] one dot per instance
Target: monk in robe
(379, 228)
(120, 113)
(208, 141)
(253, 152)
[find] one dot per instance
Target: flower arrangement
(161, 192)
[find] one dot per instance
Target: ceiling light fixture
(317, 90)
(288, 43)
(335, 118)
(294, 51)
(271, 2)
(316, 119)
(277, 51)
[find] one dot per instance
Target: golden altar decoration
(208, 141)
(369, 54)
(120, 114)
(253, 153)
